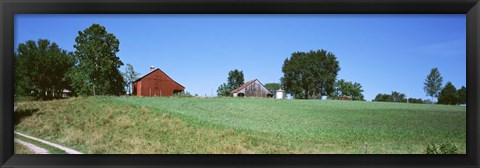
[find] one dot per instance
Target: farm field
(115, 125)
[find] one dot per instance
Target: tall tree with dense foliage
(433, 83)
(130, 76)
(40, 69)
(310, 75)
(96, 71)
(462, 95)
(344, 88)
(448, 95)
(234, 80)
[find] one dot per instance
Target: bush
(182, 94)
(444, 148)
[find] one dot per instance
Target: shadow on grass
(20, 114)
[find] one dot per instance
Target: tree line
(307, 75)
(313, 74)
(44, 70)
(447, 94)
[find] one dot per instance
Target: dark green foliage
(310, 75)
(344, 88)
(444, 148)
(96, 71)
(40, 69)
(235, 80)
(413, 100)
(393, 97)
(130, 76)
(462, 95)
(398, 97)
(272, 87)
(433, 83)
(383, 98)
(448, 95)
(223, 90)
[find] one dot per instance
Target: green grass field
(241, 125)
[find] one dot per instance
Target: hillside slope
(240, 125)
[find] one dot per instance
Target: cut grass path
(67, 150)
(34, 148)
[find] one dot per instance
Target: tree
(414, 100)
(130, 76)
(40, 69)
(344, 88)
(398, 97)
(223, 90)
(433, 83)
(393, 97)
(462, 95)
(272, 87)
(448, 95)
(310, 75)
(96, 71)
(383, 98)
(235, 79)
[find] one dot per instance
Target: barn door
(156, 91)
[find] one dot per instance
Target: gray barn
(252, 88)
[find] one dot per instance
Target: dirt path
(68, 150)
(36, 149)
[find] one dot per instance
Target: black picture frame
(9, 8)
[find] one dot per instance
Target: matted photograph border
(9, 8)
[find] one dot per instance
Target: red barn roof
(158, 69)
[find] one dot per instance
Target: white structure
(279, 94)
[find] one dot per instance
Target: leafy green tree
(433, 83)
(383, 98)
(310, 75)
(462, 95)
(130, 76)
(393, 97)
(344, 88)
(448, 95)
(398, 97)
(223, 90)
(272, 87)
(235, 79)
(40, 69)
(96, 71)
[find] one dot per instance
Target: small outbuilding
(252, 88)
(156, 83)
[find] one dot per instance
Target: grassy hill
(240, 125)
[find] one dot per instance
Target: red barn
(156, 83)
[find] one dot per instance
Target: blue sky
(382, 52)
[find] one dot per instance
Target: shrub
(444, 148)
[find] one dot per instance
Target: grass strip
(51, 149)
